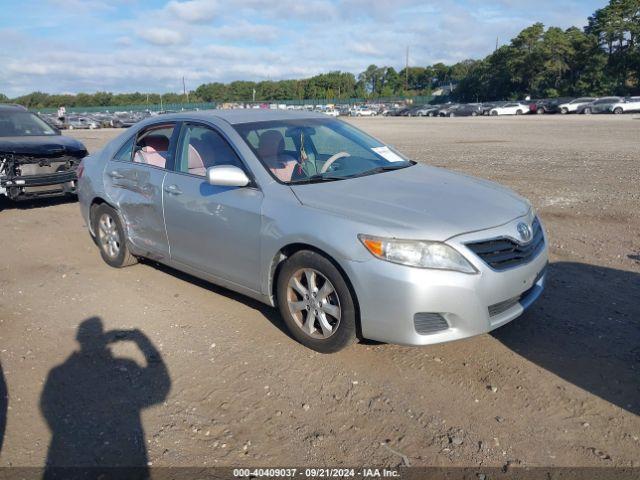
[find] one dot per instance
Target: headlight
(417, 253)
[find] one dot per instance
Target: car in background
(510, 108)
(35, 159)
(245, 199)
(486, 107)
(363, 111)
(627, 105)
(462, 110)
(331, 112)
(76, 122)
(575, 106)
(52, 120)
(548, 105)
(600, 105)
(428, 111)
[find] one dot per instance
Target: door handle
(115, 174)
(173, 190)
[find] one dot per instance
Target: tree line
(602, 58)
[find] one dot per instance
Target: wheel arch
(292, 248)
(95, 203)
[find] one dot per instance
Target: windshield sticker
(387, 154)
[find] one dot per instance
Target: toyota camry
(346, 236)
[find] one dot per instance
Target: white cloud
(162, 36)
(196, 11)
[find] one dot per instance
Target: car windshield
(315, 150)
(23, 124)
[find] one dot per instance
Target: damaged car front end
(35, 159)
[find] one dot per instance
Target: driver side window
(203, 147)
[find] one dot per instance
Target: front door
(213, 229)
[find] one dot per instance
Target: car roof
(238, 116)
(12, 107)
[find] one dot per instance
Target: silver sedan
(344, 234)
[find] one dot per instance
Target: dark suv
(35, 159)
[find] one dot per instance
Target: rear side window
(152, 146)
(124, 154)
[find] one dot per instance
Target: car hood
(417, 202)
(45, 146)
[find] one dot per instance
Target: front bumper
(392, 298)
(39, 185)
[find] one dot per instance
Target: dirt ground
(560, 386)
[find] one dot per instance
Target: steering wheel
(332, 159)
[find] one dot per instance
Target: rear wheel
(587, 111)
(494, 113)
(617, 110)
(540, 111)
(564, 110)
(316, 303)
(518, 112)
(111, 238)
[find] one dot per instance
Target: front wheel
(518, 112)
(316, 303)
(617, 110)
(110, 237)
(587, 111)
(564, 110)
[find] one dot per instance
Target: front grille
(426, 323)
(502, 253)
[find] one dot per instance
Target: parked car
(77, 122)
(487, 107)
(331, 112)
(428, 111)
(35, 159)
(462, 110)
(341, 232)
(600, 105)
(627, 105)
(510, 108)
(363, 111)
(548, 105)
(574, 105)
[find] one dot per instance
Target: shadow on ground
(92, 404)
(4, 405)
(266, 311)
(31, 203)
(586, 330)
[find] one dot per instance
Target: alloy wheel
(108, 235)
(313, 303)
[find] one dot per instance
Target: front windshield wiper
(384, 168)
(318, 177)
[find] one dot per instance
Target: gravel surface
(208, 377)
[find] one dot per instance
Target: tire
(493, 113)
(474, 114)
(540, 111)
(296, 309)
(564, 110)
(617, 110)
(110, 237)
(518, 112)
(451, 115)
(587, 111)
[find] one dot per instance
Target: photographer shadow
(92, 404)
(4, 405)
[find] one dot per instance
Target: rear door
(133, 180)
(213, 229)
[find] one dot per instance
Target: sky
(71, 46)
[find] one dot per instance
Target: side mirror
(227, 176)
